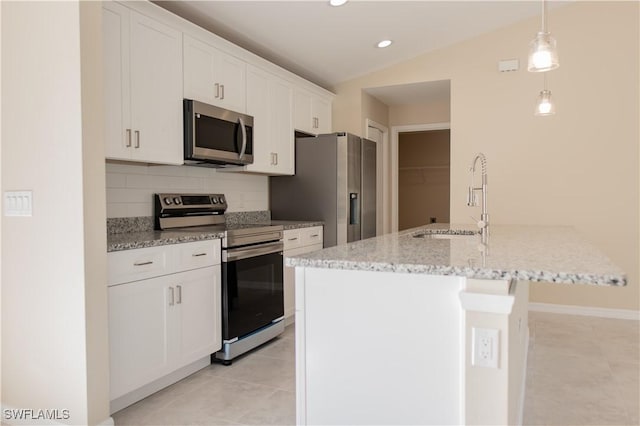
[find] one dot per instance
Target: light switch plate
(18, 203)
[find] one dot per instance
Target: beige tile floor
(581, 371)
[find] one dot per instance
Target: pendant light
(543, 55)
(545, 105)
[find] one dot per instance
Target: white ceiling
(329, 45)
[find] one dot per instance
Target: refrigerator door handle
(354, 208)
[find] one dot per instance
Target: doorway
(424, 163)
(420, 164)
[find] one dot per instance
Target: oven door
(252, 288)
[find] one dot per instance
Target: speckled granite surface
(526, 253)
(133, 240)
(137, 232)
(294, 224)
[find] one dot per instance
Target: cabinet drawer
(310, 236)
(133, 265)
(292, 239)
(197, 254)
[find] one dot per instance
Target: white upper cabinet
(312, 113)
(269, 101)
(213, 77)
(142, 87)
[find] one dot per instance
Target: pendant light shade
(545, 105)
(543, 55)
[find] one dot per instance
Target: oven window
(252, 293)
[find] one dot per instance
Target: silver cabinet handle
(315, 235)
(128, 138)
(222, 87)
(137, 139)
(276, 157)
(217, 90)
(171, 297)
(179, 287)
(199, 254)
(244, 138)
(143, 263)
(292, 239)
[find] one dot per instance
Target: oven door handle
(231, 255)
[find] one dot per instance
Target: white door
(117, 90)
(198, 309)
(258, 108)
(156, 91)
(138, 334)
(281, 99)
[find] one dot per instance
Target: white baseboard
(589, 311)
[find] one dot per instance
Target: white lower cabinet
(296, 242)
(161, 324)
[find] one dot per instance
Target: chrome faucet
(483, 223)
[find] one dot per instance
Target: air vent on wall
(508, 65)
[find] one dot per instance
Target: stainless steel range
(252, 273)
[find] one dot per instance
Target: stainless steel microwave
(215, 136)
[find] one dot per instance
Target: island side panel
(496, 395)
(378, 348)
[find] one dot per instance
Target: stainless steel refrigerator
(335, 182)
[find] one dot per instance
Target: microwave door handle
(244, 138)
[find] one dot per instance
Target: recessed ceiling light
(384, 43)
(337, 2)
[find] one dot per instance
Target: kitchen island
(427, 326)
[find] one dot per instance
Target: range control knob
(167, 201)
(221, 200)
(177, 200)
(214, 200)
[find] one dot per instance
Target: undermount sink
(445, 234)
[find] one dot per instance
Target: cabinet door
(138, 334)
(156, 91)
(213, 77)
(302, 115)
(231, 75)
(117, 91)
(199, 66)
(258, 108)
(281, 99)
(321, 112)
(198, 314)
(289, 278)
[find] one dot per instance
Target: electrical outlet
(486, 344)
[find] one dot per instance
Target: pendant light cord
(544, 16)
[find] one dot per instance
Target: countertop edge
(150, 239)
(474, 273)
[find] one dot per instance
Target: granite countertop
(527, 253)
(296, 224)
(134, 240)
(142, 239)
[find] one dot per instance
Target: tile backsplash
(130, 187)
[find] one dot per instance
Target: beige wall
(423, 178)
(579, 167)
(372, 109)
(426, 113)
(53, 278)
